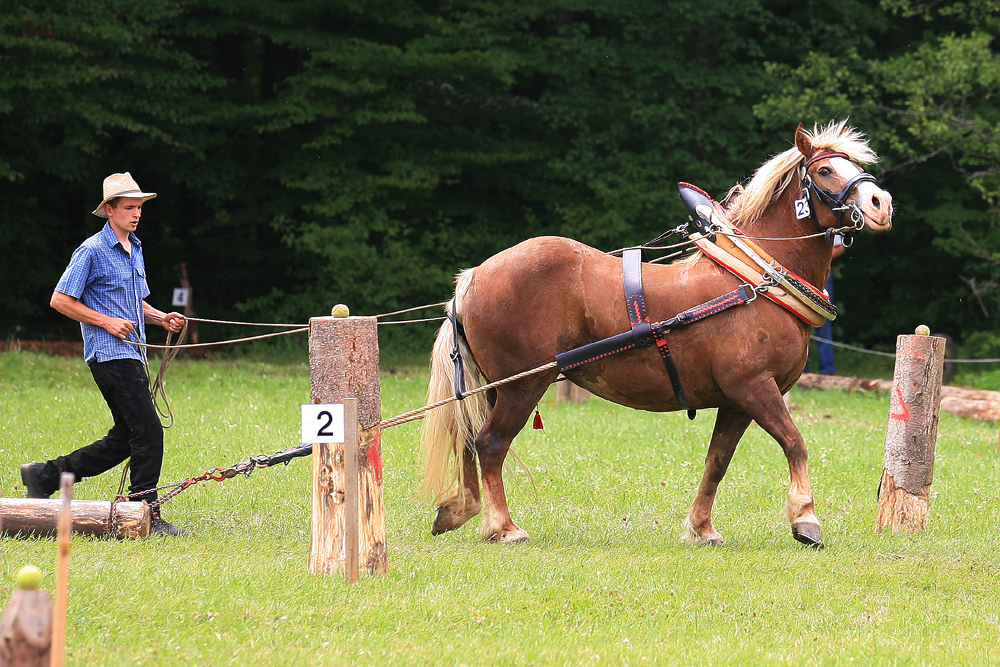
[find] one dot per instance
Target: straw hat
(120, 185)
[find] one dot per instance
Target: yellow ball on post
(923, 330)
(29, 577)
(340, 310)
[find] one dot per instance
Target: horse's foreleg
(730, 425)
(464, 503)
(506, 420)
(768, 409)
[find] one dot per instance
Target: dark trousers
(137, 432)
(825, 351)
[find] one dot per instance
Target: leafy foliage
(308, 153)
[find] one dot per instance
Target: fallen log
(969, 403)
(40, 516)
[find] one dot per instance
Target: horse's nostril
(877, 203)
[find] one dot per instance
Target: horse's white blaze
(873, 201)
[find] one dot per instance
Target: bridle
(835, 202)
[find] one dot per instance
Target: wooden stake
(567, 391)
(343, 364)
(189, 309)
(62, 570)
(911, 435)
(352, 512)
(40, 517)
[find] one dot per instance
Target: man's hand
(172, 322)
(116, 326)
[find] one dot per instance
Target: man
(104, 288)
(824, 350)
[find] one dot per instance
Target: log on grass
(968, 403)
(40, 516)
(26, 630)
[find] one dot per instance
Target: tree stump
(40, 516)
(343, 363)
(911, 435)
(26, 630)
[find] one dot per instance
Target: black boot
(160, 526)
(29, 475)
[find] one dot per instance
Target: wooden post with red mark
(911, 435)
(343, 364)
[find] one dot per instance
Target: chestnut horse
(523, 306)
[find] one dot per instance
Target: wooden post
(189, 306)
(40, 517)
(911, 435)
(567, 391)
(352, 511)
(343, 364)
(26, 630)
(62, 570)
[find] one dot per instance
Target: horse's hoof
(808, 534)
(513, 537)
(712, 542)
(444, 521)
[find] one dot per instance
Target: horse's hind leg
(513, 407)
(730, 425)
(464, 503)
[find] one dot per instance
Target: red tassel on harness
(537, 424)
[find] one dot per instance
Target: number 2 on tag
(323, 423)
(802, 208)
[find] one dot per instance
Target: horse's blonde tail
(450, 430)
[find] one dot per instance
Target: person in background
(104, 288)
(825, 350)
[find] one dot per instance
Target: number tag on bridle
(802, 208)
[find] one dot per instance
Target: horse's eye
(825, 171)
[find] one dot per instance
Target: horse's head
(835, 184)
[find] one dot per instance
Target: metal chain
(221, 474)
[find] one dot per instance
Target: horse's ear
(803, 142)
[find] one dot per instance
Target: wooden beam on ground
(343, 364)
(40, 517)
(969, 403)
(911, 435)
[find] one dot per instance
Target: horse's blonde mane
(746, 204)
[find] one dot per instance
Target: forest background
(308, 152)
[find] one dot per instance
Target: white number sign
(323, 423)
(181, 295)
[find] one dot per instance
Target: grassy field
(604, 580)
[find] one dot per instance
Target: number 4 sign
(323, 423)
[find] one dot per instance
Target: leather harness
(644, 333)
(732, 250)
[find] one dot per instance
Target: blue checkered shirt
(102, 276)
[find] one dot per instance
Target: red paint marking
(905, 414)
(908, 351)
(375, 458)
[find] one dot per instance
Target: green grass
(604, 580)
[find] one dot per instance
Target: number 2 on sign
(802, 208)
(323, 423)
